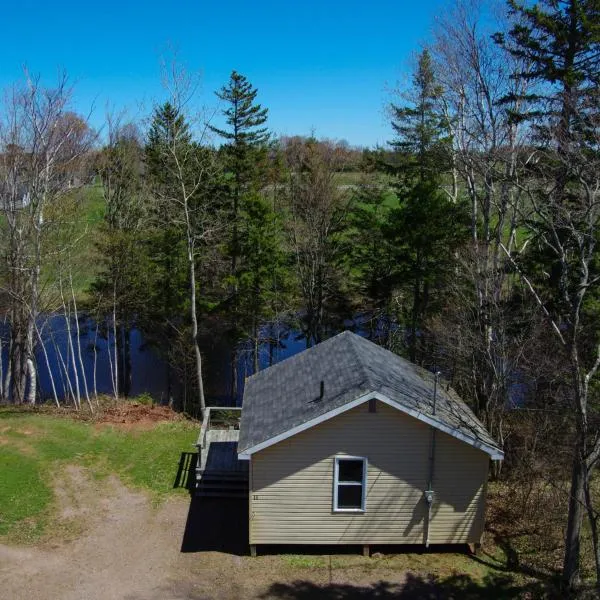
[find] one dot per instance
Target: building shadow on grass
(415, 587)
(212, 524)
(357, 549)
(216, 524)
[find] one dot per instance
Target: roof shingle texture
(345, 368)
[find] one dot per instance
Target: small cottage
(348, 443)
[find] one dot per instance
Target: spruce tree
(245, 158)
(245, 146)
(426, 227)
(167, 130)
(167, 275)
(421, 139)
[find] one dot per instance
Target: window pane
(350, 470)
(349, 496)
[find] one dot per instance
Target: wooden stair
(219, 473)
(222, 485)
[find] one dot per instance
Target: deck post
(366, 550)
(475, 548)
(253, 550)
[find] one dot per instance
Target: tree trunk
(194, 317)
(64, 374)
(234, 374)
(115, 338)
(32, 389)
(593, 521)
(96, 362)
(48, 366)
(79, 355)
(127, 377)
(571, 567)
(8, 371)
(256, 347)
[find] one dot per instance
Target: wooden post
(367, 550)
(253, 550)
(475, 548)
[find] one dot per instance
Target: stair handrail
(207, 421)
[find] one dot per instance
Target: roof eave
(493, 452)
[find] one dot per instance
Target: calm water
(149, 370)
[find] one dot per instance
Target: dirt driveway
(113, 544)
(120, 547)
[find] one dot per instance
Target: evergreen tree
(424, 233)
(262, 278)
(167, 276)
(421, 141)
(168, 130)
(117, 297)
(245, 148)
(243, 116)
(245, 159)
(426, 227)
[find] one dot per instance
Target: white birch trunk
(71, 350)
(96, 362)
(50, 374)
(31, 370)
(116, 349)
(78, 332)
(195, 333)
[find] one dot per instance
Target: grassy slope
(34, 446)
(92, 214)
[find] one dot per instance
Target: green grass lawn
(91, 215)
(34, 446)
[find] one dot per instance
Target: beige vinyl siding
(291, 497)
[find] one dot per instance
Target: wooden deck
(219, 473)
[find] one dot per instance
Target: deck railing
(218, 417)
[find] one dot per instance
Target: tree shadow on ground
(514, 563)
(415, 587)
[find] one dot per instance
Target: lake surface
(148, 369)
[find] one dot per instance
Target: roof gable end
(494, 452)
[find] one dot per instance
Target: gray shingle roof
(288, 394)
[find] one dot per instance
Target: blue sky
(322, 66)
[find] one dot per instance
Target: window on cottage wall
(349, 484)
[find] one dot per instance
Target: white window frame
(336, 484)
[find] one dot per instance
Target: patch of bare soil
(124, 548)
(133, 415)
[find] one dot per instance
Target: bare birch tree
(477, 77)
(183, 190)
(42, 145)
(317, 211)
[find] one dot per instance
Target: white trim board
(363, 484)
(494, 453)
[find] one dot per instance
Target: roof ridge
(274, 366)
(353, 345)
